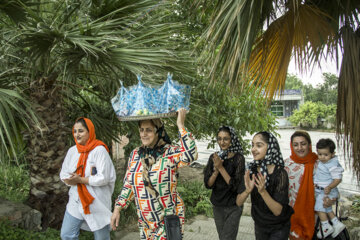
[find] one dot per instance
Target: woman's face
(258, 147)
(301, 146)
(81, 134)
(224, 140)
(147, 133)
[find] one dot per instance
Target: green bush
(196, 198)
(14, 182)
(355, 207)
(309, 113)
(127, 216)
(9, 232)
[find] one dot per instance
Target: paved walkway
(203, 228)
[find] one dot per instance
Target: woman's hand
(181, 118)
(328, 202)
(115, 217)
(218, 162)
(260, 182)
(249, 184)
(73, 180)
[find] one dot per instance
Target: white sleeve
(65, 168)
(105, 171)
(336, 172)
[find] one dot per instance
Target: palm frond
(16, 113)
(111, 43)
(231, 35)
(13, 9)
(293, 32)
(348, 109)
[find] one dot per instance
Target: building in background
(284, 104)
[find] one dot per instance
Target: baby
(327, 176)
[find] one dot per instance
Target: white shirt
(295, 173)
(101, 186)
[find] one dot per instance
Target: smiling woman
(89, 172)
(151, 179)
(300, 167)
(223, 174)
(81, 131)
(147, 131)
(268, 183)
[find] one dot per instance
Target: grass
(12, 233)
(14, 182)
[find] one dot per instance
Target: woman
(90, 173)
(151, 177)
(267, 182)
(224, 174)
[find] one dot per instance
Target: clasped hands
(257, 180)
(218, 163)
(73, 179)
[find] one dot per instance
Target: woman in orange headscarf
(90, 173)
(300, 167)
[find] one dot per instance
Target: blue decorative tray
(142, 101)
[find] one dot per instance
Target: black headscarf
(235, 146)
(273, 156)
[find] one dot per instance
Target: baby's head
(326, 149)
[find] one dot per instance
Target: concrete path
(202, 228)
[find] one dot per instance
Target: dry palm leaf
(294, 31)
(348, 110)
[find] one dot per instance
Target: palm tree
(67, 57)
(252, 42)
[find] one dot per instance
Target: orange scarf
(303, 220)
(84, 150)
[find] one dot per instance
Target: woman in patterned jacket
(151, 178)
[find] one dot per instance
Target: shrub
(14, 182)
(127, 216)
(9, 232)
(196, 198)
(309, 114)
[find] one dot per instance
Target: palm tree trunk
(47, 149)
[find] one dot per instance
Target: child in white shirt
(327, 176)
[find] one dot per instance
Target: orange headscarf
(84, 150)
(303, 220)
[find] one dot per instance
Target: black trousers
(227, 221)
(262, 233)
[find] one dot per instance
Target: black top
(278, 189)
(223, 194)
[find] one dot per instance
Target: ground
(191, 174)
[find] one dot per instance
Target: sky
(316, 76)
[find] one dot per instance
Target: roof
(292, 92)
(289, 94)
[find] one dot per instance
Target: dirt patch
(191, 174)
